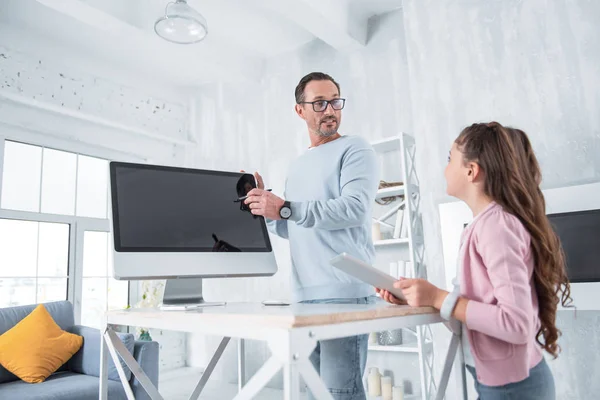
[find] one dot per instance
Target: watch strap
(449, 303)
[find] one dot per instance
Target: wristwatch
(286, 210)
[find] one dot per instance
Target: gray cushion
(87, 359)
(61, 312)
(61, 386)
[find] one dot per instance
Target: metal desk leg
(462, 375)
(291, 351)
(103, 395)
(241, 364)
(450, 357)
(210, 368)
(116, 349)
(291, 381)
(313, 380)
(294, 350)
(260, 379)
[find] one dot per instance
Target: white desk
(291, 333)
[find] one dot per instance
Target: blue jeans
(538, 386)
(341, 362)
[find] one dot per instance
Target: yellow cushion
(36, 347)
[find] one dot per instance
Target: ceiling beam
(330, 20)
(223, 61)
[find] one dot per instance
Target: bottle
(373, 338)
(398, 392)
(386, 388)
(376, 232)
(374, 382)
(401, 269)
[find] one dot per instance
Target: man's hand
(264, 203)
(260, 184)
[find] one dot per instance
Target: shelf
(387, 144)
(391, 242)
(413, 396)
(402, 348)
(390, 192)
(405, 397)
(399, 190)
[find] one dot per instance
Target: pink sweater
(502, 314)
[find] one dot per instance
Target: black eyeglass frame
(327, 103)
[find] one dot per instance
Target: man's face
(322, 123)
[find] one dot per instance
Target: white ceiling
(242, 33)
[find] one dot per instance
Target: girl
(511, 266)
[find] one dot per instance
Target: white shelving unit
(404, 145)
(391, 242)
(391, 191)
(402, 348)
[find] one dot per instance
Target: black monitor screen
(579, 233)
(167, 209)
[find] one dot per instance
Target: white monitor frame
(174, 265)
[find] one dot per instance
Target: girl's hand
(390, 298)
(421, 293)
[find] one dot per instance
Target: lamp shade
(181, 24)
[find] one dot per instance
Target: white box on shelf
(394, 269)
(401, 269)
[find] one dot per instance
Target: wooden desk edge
(274, 321)
(303, 321)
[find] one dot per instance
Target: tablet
(366, 273)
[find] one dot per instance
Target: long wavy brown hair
(512, 179)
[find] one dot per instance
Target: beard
(326, 131)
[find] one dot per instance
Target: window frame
(77, 225)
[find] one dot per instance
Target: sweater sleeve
(278, 227)
(358, 182)
(504, 246)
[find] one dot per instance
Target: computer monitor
(579, 233)
(173, 223)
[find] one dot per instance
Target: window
(100, 292)
(48, 181)
(34, 260)
(54, 231)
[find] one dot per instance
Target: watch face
(285, 212)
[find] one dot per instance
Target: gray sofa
(78, 379)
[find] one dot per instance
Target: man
(329, 194)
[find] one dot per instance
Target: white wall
(45, 94)
(254, 126)
(54, 99)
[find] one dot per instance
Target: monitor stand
(185, 294)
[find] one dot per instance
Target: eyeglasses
(321, 105)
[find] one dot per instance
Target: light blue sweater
(332, 190)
